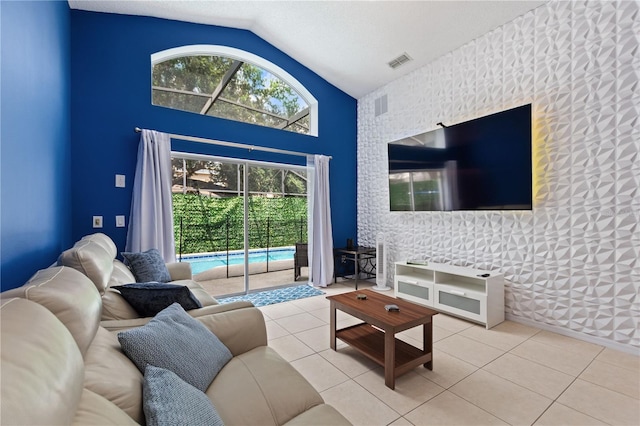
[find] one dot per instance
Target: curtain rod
(233, 144)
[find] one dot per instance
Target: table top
(373, 312)
(356, 250)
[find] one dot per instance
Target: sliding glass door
(277, 219)
(237, 222)
(208, 209)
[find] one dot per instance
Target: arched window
(230, 83)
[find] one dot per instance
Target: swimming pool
(204, 262)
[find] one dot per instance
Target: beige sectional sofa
(63, 364)
(95, 256)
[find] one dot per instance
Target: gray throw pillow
(150, 298)
(176, 341)
(147, 266)
(169, 400)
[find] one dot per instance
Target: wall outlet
(120, 181)
(120, 221)
(97, 221)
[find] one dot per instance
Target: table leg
(332, 324)
(427, 342)
(355, 259)
(389, 359)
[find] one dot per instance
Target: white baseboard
(580, 336)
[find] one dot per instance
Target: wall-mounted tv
(481, 164)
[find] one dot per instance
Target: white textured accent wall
(573, 262)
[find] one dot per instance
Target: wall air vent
(381, 105)
(402, 59)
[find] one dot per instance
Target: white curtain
(319, 216)
(151, 217)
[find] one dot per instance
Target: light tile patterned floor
(512, 374)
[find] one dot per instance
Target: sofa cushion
(150, 298)
(103, 241)
(121, 274)
(92, 259)
(41, 366)
(114, 307)
(96, 410)
(277, 391)
(110, 374)
(70, 296)
(176, 341)
(169, 400)
(148, 266)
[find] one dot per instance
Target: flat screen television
(481, 164)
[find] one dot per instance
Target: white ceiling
(348, 42)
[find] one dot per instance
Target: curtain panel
(151, 216)
(319, 216)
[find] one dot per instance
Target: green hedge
(206, 224)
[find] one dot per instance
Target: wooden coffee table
(375, 338)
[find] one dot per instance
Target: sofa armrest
(240, 330)
(125, 324)
(179, 270)
(216, 309)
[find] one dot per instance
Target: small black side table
(363, 259)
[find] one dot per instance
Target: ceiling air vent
(402, 59)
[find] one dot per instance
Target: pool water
(200, 263)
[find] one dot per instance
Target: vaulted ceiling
(349, 43)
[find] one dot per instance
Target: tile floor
(512, 374)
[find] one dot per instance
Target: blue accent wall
(111, 74)
(35, 150)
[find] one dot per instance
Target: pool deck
(280, 273)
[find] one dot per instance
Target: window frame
(244, 56)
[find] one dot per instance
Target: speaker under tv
(481, 164)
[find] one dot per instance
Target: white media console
(464, 292)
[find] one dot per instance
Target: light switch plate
(120, 221)
(120, 181)
(97, 221)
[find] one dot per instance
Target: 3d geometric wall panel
(573, 261)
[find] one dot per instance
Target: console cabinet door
(414, 290)
(464, 302)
